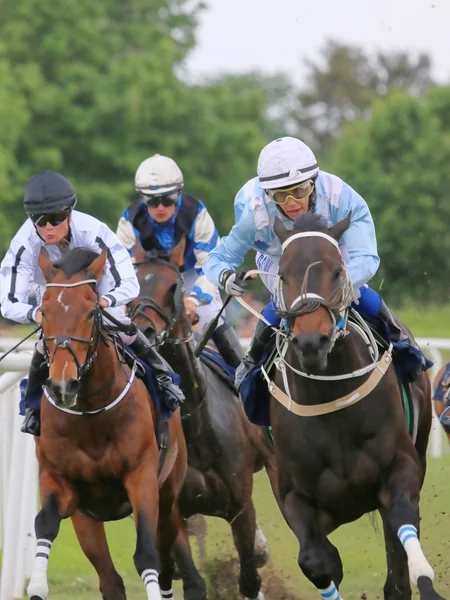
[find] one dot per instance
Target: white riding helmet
(158, 176)
(285, 162)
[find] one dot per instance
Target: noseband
(146, 302)
(65, 341)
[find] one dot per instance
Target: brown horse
(439, 405)
(98, 454)
(224, 448)
(341, 441)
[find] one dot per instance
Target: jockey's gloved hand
(234, 283)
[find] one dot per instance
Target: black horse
(224, 448)
(336, 465)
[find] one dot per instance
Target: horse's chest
(347, 481)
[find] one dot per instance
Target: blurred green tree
(345, 81)
(398, 161)
(91, 89)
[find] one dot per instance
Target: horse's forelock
(75, 261)
(309, 221)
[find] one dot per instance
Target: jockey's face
(54, 234)
(294, 207)
(161, 214)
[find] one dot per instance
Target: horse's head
(70, 316)
(314, 287)
(157, 309)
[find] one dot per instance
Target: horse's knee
(47, 520)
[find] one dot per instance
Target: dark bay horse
(224, 448)
(336, 465)
(98, 455)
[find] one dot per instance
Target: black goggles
(56, 218)
(166, 200)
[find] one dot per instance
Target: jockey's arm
(360, 237)
(126, 233)
(230, 253)
(205, 238)
(16, 278)
(119, 285)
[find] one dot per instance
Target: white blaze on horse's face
(65, 306)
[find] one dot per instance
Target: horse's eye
(91, 315)
(338, 273)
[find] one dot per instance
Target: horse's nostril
(324, 340)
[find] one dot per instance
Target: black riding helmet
(48, 192)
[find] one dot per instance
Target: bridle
(146, 302)
(65, 341)
(308, 302)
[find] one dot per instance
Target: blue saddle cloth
(149, 379)
(408, 361)
(443, 387)
(220, 362)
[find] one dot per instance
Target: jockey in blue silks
(290, 183)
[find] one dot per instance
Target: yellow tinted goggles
(300, 191)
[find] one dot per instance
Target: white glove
(233, 284)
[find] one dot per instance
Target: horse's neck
(182, 359)
(104, 380)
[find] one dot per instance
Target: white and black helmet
(285, 162)
(158, 176)
(48, 192)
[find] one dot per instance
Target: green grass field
(361, 546)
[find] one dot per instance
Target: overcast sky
(273, 35)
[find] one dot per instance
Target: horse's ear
(176, 257)
(340, 228)
(98, 264)
(138, 252)
(46, 264)
(280, 230)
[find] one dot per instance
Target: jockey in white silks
(159, 218)
(53, 224)
(290, 183)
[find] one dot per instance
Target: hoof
(426, 589)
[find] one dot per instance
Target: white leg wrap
(167, 594)
(330, 593)
(38, 585)
(417, 563)
(151, 581)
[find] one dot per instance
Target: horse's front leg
(92, 539)
(243, 525)
(318, 558)
(58, 501)
(143, 493)
(401, 503)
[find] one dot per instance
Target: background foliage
(91, 89)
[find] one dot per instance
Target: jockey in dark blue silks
(290, 183)
(159, 218)
(53, 224)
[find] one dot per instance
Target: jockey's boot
(228, 345)
(171, 395)
(398, 335)
(37, 377)
(262, 340)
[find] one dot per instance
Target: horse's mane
(76, 260)
(309, 221)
